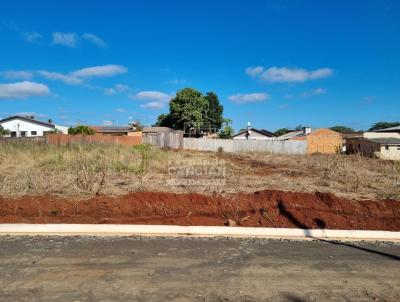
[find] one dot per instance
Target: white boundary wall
(238, 146)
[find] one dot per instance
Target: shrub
(81, 129)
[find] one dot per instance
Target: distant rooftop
(397, 128)
(386, 140)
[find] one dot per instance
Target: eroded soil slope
(268, 208)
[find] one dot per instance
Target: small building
(387, 148)
(28, 126)
(324, 141)
(254, 134)
(116, 130)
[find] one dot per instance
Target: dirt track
(265, 208)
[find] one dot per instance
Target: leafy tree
(227, 130)
(188, 106)
(281, 131)
(383, 125)
(3, 131)
(81, 129)
(164, 120)
(342, 129)
(214, 113)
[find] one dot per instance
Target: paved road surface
(188, 269)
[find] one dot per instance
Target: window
(13, 134)
(23, 133)
(33, 133)
(386, 147)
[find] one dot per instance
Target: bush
(81, 130)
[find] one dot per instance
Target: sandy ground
(190, 269)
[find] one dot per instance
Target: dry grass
(92, 169)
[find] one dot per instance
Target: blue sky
(273, 63)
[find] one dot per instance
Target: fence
(33, 140)
(170, 140)
(238, 146)
(63, 139)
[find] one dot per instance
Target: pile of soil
(268, 208)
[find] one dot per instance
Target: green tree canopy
(191, 109)
(215, 111)
(383, 125)
(342, 129)
(281, 131)
(3, 131)
(227, 130)
(81, 129)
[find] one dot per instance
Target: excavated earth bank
(267, 208)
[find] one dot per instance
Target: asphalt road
(189, 269)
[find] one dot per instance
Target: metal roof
(290, 135)
(385, 140)
(397, 128)
(262, 131)
(27, 119)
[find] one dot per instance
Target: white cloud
(122, 88)
(66, 78)
(100, 71)
(23, 90)
(32, 37)
(285, 74)
(120, 110)
(154, 105)
(254, 71)
(109, 91)
(65, 39)
(94, 39)
(79, 76)
(18, 75)
(176, 82)
(249, 98)
(155, 99)
(316, 91)
(152, 96)
(108, 123)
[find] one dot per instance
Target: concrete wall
(381, 134)
(238, 146)
(393, 153)
(62, 139)
(168, 140)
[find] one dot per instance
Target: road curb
(203, 231)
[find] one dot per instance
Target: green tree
(281, 131)
(3, 131)
(383, 125)
(227, 130)
(164, 120)
(81, 129)
(342, 129)
(215, 110)
(188, 107)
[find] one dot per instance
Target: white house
(254, 134)
(22, 126)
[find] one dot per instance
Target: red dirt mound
(266, 208)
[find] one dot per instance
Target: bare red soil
(263, 209)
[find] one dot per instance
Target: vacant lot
(84, 171)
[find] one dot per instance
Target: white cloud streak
(249, 98)
(155, 99)
(23, 90)
(81, 75)
(94, 39)
(32, 37)
(18, 75)
(285, 74)
(65, 39)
